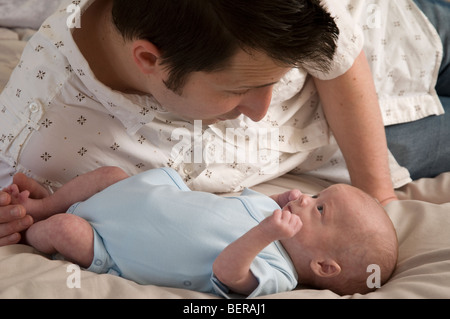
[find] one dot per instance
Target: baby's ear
(325, 267)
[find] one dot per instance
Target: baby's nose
(305, 200)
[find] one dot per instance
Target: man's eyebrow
(257, 86)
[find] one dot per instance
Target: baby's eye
(320, 209)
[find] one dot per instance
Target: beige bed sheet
(423, 269)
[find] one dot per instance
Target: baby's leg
(67, 234)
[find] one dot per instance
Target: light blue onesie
(152, 229)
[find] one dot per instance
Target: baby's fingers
(294, 194)
(12, 190)
(288, 224)
(288, 196)
(296, 223)
(293, 223)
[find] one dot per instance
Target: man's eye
(239, 93)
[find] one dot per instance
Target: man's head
(344, 232)
(203, 35)
(214, 60)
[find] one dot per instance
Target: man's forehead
(255, 69)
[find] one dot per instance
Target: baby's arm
(78, 189)
(232, 266)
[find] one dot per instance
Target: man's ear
(325, 268)
(145, 55)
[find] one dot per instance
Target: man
(127, 87)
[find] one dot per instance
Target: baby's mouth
(288, 207)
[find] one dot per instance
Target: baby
(150, 228)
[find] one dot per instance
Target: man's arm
(351, 106)
(232, 266)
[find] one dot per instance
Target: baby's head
(344, 232)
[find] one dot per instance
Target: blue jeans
(423, 146)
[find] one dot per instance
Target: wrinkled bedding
(421, 218)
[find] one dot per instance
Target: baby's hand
(281, 225)
(17, 197)
(286, 197)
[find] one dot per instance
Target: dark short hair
(202, 35)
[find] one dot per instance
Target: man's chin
(214, 121)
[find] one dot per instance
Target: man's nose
(256, 103)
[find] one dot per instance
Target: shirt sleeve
(349, 44)
(273, 275)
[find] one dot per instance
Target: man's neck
(108, 54)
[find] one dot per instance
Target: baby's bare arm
(232, 266)
(78, 189)
(82, 187)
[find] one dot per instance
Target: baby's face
(330, 215)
